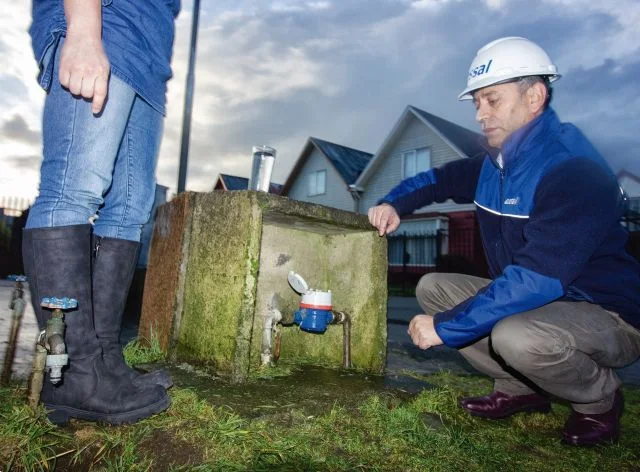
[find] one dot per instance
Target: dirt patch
(167, 449)
(307, 391)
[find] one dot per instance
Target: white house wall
(336, 195)
(630, 186)
(389, 173)
(426, 226)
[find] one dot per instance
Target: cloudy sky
(276, 72)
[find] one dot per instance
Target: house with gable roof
(341, 177)
(324, 172)
(417, 142)
(630, 182)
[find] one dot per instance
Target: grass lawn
(380, 431)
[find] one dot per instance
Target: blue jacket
(549, 221)
(137, 37)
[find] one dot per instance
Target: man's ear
(536, 97)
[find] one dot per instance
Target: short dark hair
(526, 82)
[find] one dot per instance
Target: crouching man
(562, 308)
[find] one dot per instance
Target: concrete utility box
(218, 258)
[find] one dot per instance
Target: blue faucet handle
(17, 278)
(59, 303)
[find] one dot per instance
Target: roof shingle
(348, 161)
(233, 182)
(464, 139)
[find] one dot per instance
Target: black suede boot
(113, 266)
(57, 263)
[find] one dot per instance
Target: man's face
(500, 110)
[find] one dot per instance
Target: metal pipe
(54, 343)
(17, 304)
(188, 99)
(273, 318)
(346, 343)
(37, 374)
(277, 344)
(340, 317)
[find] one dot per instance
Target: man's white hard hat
(505, 59)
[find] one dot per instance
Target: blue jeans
(97, 165)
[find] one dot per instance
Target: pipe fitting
(274, 316)
(53, 339)
(340, 317)
(37, 374)
(54, 343)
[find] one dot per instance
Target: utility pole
(188, 100)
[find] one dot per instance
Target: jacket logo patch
(512, 201)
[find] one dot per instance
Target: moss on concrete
(318, 215)
(350, 263)
(240, 249)
(305, 252)
(359, 274)
(220, 284)
(164, 282)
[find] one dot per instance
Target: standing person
(563, 307)
(104, 65)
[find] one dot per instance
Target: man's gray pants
(567, 349)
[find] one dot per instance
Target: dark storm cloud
(371, 59)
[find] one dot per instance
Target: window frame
(414, 153)
(316, 174)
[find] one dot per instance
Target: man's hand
(385, 218)
(84, 66)
(423, 333)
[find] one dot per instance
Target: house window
(633, 214)
(416, 161)
(415, 250)
(317, 183)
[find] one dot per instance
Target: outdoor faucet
(54, 335)
(50, 347)
(53, 339)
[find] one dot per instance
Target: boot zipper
(96, 248)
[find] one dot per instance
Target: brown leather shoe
(590, 430)
(500, 405)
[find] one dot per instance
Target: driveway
(403, 354)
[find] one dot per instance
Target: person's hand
(384, 218)
(423, 333)
(84, 68)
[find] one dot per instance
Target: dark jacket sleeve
(456, 180)
(576, 205)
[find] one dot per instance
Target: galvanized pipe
(37, 374)
(273, 318)
(54, 343)
(17, 304)
(340, 317)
